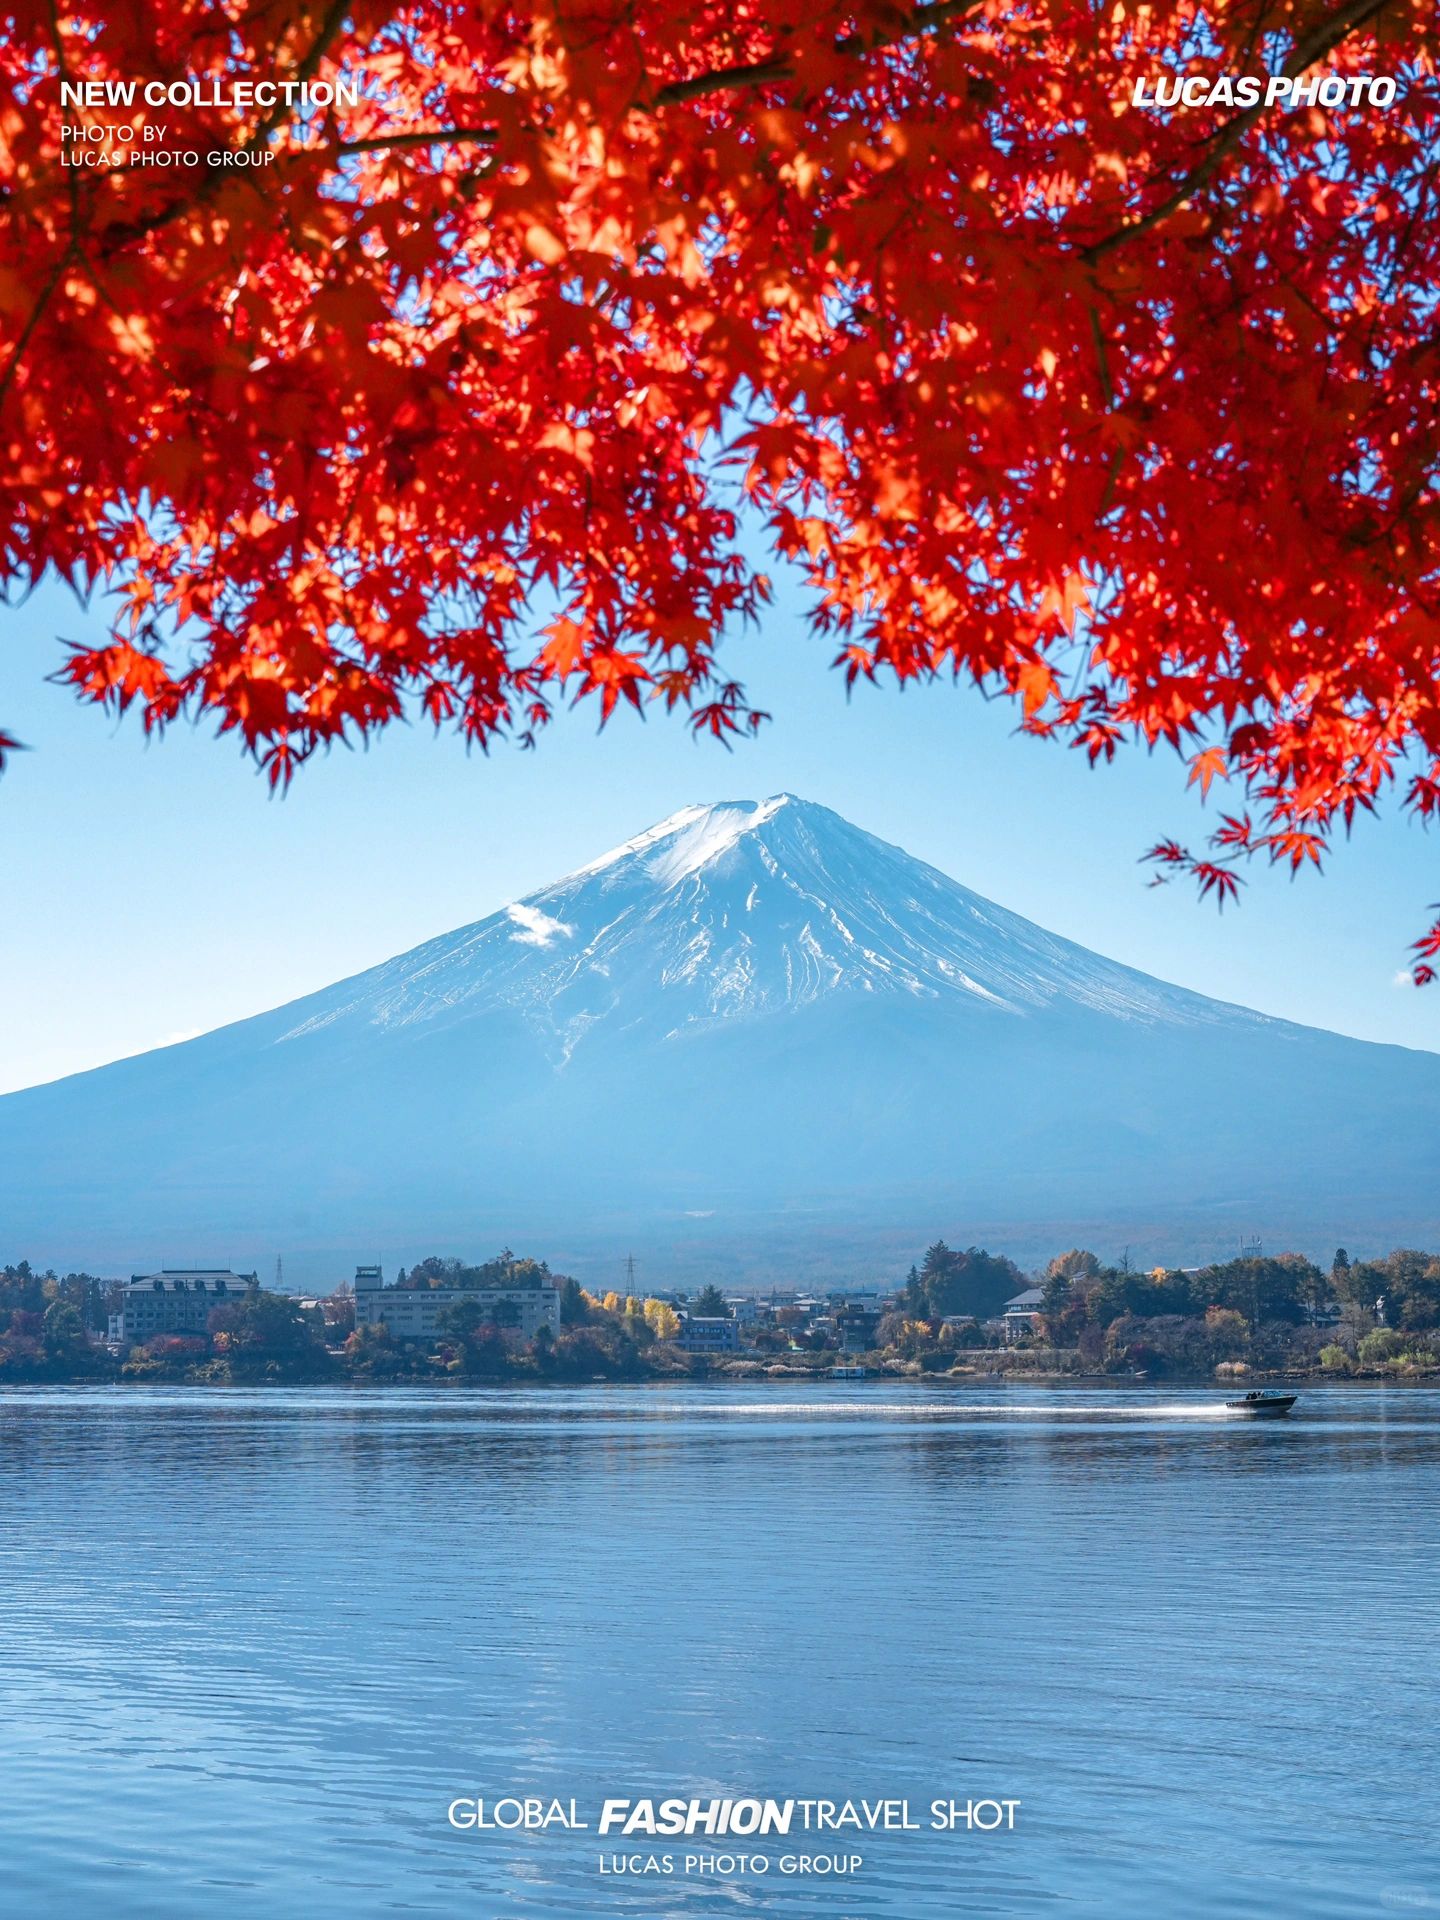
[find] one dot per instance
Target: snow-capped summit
(755, 1040)
(736, 910)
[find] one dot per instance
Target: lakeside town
(959, 1314)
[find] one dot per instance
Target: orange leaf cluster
(464, 399)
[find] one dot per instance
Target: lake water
(255, 1644)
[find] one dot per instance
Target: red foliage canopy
(461, 398)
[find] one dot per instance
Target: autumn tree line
(1282, 1312)
(1275, 1312)
(53, 1327)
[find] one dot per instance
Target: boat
(1262, 1406)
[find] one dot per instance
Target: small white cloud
(1402, 978)
(537, 929)
(700, 1213)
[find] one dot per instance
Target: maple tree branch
(424, 137)
(772, 71)
(782, 66)
(329, 27)
(62, 67)
(57, 42)
(1098, 335)
(138, 230)
(1324, 39)
(37, 314)
(754, 73)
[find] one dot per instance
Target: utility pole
(279, 1273)
(629, 1274)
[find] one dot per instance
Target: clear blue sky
(154, 891)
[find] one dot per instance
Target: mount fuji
(754, 1042)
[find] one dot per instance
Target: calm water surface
(255, 1643)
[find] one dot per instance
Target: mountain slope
(729, 912)
(754, 1038)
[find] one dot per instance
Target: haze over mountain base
(753, 1043)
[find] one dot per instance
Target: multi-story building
(413, 1313)
(701, 1334)
(856, 1326)
(1022, 1314)
(175, 1300)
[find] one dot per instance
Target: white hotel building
(414, 1313)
